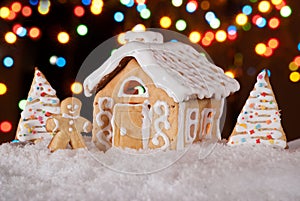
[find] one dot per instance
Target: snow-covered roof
(177, 68)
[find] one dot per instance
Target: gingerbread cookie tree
(42, 103)
(259, 121)
(68, 126)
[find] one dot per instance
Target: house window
(191, 124)
(207, 116)
(133, 86)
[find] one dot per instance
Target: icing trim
(133, 78)
(180, 132)
(206, 120)
(189, 122)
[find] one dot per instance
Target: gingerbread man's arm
(52, 124)
(84, 125)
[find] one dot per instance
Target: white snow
(203, 172)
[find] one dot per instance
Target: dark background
(28, 53)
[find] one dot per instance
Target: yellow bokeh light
(63, 37)
(16, 7)
(276, 2)
(165, 22)
(230, 74)
(43, 11)
(264, 6)
(260, 48)
(195, 37)
(10, 37)
(293, 66)
(241, 19)
(3, 88)
(76, 88)
(4, 12)
(139, 28)
(121, 38)
(295, 76)
(96, 7)
(221, 36)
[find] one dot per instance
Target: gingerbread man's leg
(76, 140)
(59, 141)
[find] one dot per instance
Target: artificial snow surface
(204, 172)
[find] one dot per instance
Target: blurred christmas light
(34, 33)
(12, 15)
(180, 25)
(96, 7)
(293, 66)
(273, 43)
(53, 60)
(241, 19)
(60, 62)
(76, 88)
(261, 22)
(21, 31)
(276, 2)
(127, 3)
(165, 22)
(298, 46)
(247, 9)
(145, 13)
(141, 7)
(26, 11)
(33, 2)
(260, 48)
(221, 36)
(268, 52)
(205, 5)
(255, 18)
(191, 6)
(210, 35)
(6, 126)
(285, 11)
(82, 30)
(79, 11)
(177, 3)
(121, 39)
(231, 30)
(209, 16)
(4, 12)
(86, 2)
(264, 6)
(8, 62)
(63, 37)
(15, 28)
(16, 7)
(215, 23)
(295, 76)
(22, 104)
(274, 23)
(3, 88)
(10, 37)
(195, 37)
(206, 41)
(247, 26)
(140, 1)
(230, 74)
(297, 60)
(139, 28)
(119, 16)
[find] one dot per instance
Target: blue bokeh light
(33, 2)
(119, 16)
(8, 62)
(247, 10)
(86, 2)
(61, 62)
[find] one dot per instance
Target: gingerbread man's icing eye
(69, 106)
(76, 107)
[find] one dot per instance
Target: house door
(131, 126)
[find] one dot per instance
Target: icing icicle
(42, 103)
(259, 121)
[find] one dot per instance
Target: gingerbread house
(155, 95)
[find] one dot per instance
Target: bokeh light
(215, 23)
(205, 5)
(139, 28)
(261, 22)
(209, 16)
(44, 7)
(8, 62)
(12, 15)
(298, 46)
(82, 30)
(16, 7)
(10, 37)
(61, 62)
(191, 6)
(76, 88)
(293, 66)
(241, 19)
(141, 7)
(297, 60)
(96, 7)
(79, 11)
(119, 16)
(230, 74)
(26, 11)
(274, 23)
(6, 126)
(33, 2)
(268, 52)
(273, 43)
(264, 6)
(86, 2)
(195, 37)
(285, 11)
(145, 13)
(247, 9)
(63, 37)
(3, 88)
(22, 104)
(53, 60)
(34, 33)
(276, 2)
(165, 22)
(181, 25)
(295, 76)
(177, 3)
(260, 48)
(221, 36)
(121, 39)
(4, 12)
(21, 31)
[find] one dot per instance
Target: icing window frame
(207, 120)
(191, 122)
(134, 79)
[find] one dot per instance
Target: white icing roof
(175, 67)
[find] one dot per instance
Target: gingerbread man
(68, 126)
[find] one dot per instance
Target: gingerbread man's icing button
(71, 122)
(70, 129)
